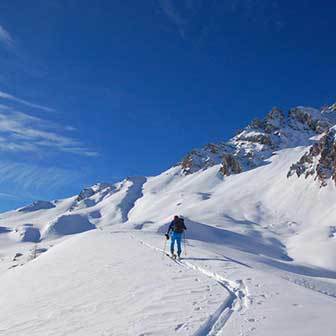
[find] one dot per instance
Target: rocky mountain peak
(274, 120)
(260, 139)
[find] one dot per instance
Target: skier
(177, 227)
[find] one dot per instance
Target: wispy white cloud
(172, 12)
(28, 178)
(70, 128)
(10, 97)
(6, 38)
(193, 17)
(180, 13)
(8, 196)
(20, 132)
(5, 107)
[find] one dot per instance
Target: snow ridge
(134, 192)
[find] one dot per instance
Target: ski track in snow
(238, 299)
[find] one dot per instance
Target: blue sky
(98, 90)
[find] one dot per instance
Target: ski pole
(164, 246)
(184, 243)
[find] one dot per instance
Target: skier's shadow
(253, 243)
(270, 252)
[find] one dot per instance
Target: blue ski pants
(176, 237)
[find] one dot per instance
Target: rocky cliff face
(230, 165)
(260, 139)
(90, 191)
(319, 161)
(92, 195)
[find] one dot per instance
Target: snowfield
(259, 257)
(103, 283)
(112, 282)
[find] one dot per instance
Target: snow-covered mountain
(260, 139)
(261, 256)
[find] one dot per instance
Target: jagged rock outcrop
(90, 196)
(90, 191)
(320, 161)
(208, 156)
(308, 119)
(250, 147)
(328, 109)
(230, 165)
(274, 120)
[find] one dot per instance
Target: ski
(174, 258)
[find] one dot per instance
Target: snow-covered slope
(261, 256)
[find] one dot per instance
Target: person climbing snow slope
(177, 227)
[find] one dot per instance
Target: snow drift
(70, 224)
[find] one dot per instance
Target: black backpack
(179, 226)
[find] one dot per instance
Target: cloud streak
(27, 179)
(6, 38)
(193, 18)
(20, 132)
(10, 97)
(181, 13)
(172, 12)
(8, 196)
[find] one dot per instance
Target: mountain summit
(259, 140)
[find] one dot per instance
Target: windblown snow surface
(259, 258)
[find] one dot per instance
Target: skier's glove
(167, 236)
